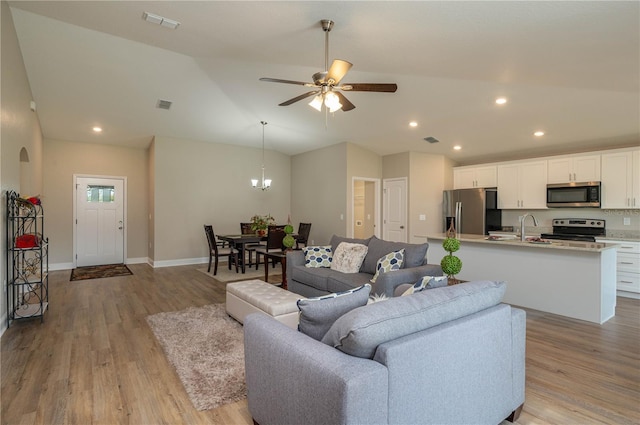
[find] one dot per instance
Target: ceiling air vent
(164, 104)
(431, 139)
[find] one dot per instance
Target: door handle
(402, 227)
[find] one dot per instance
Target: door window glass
(100, 193)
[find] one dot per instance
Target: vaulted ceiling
(568, 68)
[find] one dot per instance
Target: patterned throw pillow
(390, 262)
(317, 256)
(348, 257)
(427, 282)
(318, 314)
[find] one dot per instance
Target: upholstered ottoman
(256, 296)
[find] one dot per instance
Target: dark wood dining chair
(245, 229)
(303, 234)
(275, 235)
(215, 251)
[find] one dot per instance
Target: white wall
(64, 159)
(198, 183)
(319, 192)
(20, 128)
(428, 175)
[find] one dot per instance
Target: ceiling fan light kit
(325, 82)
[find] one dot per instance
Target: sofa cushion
(314, 277)
(360, 331)
(426, 282)
(335, 241)
(319, 313)
(317, 256)
(337, 281)
(388, 263)
(414, 254)
(348, 257)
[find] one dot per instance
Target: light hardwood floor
(95, 360)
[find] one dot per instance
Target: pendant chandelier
(266, 183)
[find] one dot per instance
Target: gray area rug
(206, 348)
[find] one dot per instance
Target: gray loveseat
(451, 355)
(313, 282)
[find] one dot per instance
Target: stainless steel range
(576, 229)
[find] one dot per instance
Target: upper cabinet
(582, 168)
(522, 185)
(470, 177)
(621, 180)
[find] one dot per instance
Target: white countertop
(555, 244)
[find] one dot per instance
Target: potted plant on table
(288, 241)
(260, 223)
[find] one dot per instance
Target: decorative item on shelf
(451, 265)
(260, 223)
(288, 241)
(266, 183)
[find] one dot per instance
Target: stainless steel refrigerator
(472, 211)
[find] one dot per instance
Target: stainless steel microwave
(573, 195)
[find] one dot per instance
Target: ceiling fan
(326, 83)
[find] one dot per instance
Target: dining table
(239, 242)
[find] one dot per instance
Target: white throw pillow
(348, 257)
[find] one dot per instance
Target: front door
(99, 221)
(395, 210)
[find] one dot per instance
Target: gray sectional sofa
(313, 282)
(450, 355)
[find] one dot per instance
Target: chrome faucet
(522, 220)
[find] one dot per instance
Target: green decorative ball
(288, 241)
(451, 244)
(451, 265)
(288, 229)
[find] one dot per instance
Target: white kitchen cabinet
(522, 185)
(567, 169)
(627, 267)
(621, 180)
(471, 177)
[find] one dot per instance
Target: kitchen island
(573, 279)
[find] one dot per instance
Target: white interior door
(99, 221)
(394, 201)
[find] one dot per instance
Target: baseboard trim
(60, 266)
(180, 262)
(146, 260)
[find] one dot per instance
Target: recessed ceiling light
(501, 100)
(538, 133)
(97, 129)
(457, 147)
(413, 124)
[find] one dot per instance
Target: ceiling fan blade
(377, 87)
(346, 105)
(338, 70)
(297, 98)
(277, 80)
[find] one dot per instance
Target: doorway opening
(365, 207)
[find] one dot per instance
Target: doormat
(98, 272)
